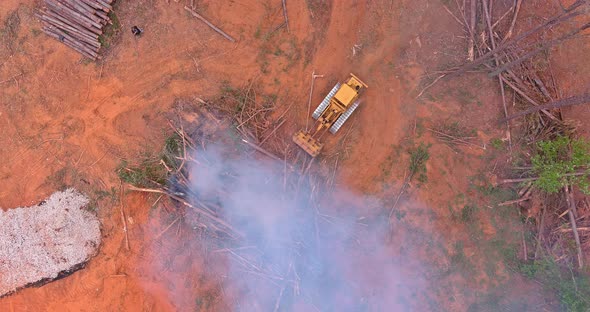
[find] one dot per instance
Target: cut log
(219, 31)
(74, 24)
(471, 45)
(70, 36)
(93, 4)
(60, 11)
(516, 201)
(285, 15)
(488, 56)
(103, 16)
(66, 10)
(74, 19)
(573, 100)
(105, 6)
(88, 8)
(69, 29)
(543, 46)
(569, 197)
(66, 24)
(78, 36)
(67, 43)
(64, 37)
(81, 8)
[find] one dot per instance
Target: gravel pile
(44, 242)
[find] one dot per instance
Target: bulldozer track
(342, 119)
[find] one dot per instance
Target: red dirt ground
(68, 122)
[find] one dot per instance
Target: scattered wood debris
(455, 139)
(531, 102)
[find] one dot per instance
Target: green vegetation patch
(559, 162)
(418, 157)
(153, 171)
(110, 32)
(573, 288)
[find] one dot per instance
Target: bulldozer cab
(346, 95)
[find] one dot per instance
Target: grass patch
(573, 289)
(36, 32)
(207, 299)
(258, 32)
(495, 195)
(420, 128)
(58, 179)
(557, 160)
(497, 143)
(146, 174)
(173, 147)
(284, 52)
(459, 262)
(152, 171)
(418, 158)
(103, 194)
(399, 214)
(9, 31)
(386, 167)
(110, 32)
(204, 302)
(468, 213)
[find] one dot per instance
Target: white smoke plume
(283, 240)
(304, 248)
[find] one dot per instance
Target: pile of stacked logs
(76, 23)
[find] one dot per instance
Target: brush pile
(76, 23)
(518, 61)
(173, 173)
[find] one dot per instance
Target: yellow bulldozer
(331, 114)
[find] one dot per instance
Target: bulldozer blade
(310, 145)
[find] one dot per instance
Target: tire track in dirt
(369, 31)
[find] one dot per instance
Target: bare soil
(67, 122)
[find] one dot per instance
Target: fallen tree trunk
(569, 197)
(573, 100)
(574, 174)
(202, 19)
(506, 43)
(544, 46)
